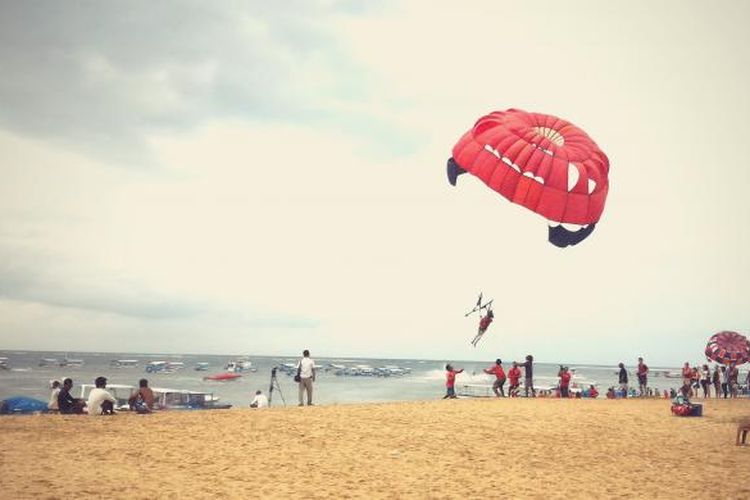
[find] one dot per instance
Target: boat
(123, 363)
(223, 377)
(4, 364)
(176, 399)
(391, 371)
(164, 366)
(49, 362)
(240, 365)
(201, 366)
(164, 399)
(71, 363)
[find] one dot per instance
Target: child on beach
(450, 381)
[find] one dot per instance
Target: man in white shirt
(260, 400)
(306, 373)
(100, 401)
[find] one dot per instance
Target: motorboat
(71, 363)
(201, 366)
(4, 364)
(223, 377)
(49, 362)
(164, 399)
(164, 366)
(240, 365)
(123, 363)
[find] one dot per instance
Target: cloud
(102, 78)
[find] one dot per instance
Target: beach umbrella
(540, 162)
(727, 348)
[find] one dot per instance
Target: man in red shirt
(497, 370)
(514, 374)
(564, 375)
(642, 377)
(450, 381)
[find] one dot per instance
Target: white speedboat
(123, 363)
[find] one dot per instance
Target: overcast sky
(259, 177)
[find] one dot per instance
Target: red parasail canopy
(541, 162)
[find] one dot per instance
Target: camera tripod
(274, 385)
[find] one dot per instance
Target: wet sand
(435, 449)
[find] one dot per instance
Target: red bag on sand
(681, 410)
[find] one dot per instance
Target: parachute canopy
(727, 348)
(541, 162)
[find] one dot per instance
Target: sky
(258, 177)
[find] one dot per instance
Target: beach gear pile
(682, 407)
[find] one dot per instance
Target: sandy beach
(433, 449)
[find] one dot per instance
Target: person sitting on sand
(450, 381)
(611, 393)
(260, 400)
(66, 403)
(593, 393)
(100, 401)
(53, 405)
(142, 401)
(514, 375)
(497, 370)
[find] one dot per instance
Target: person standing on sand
(623, 380)
(528, 381)
(716, 378)
(706, 381)
(564, 375)
(687, 377)
(725, 381)
(450, 381)
(497, 370)
(514, 375)
(306, 373)
(734, 374)
(642, 377)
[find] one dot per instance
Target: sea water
(426, 379)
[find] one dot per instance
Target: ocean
(425, 380)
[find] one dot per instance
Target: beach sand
(464, 448)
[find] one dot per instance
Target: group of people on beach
(514, 376)
(724, 380)
(100, 401)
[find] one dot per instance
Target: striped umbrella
(727, 348)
